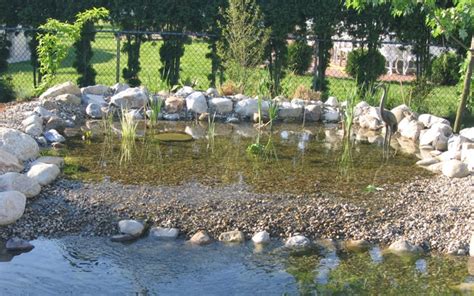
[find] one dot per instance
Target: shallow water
(296, 160)
(96, 266)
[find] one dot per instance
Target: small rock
(43, 173)
(43, 113)
(232, 237)
(131, 227)
(232, 120)
(64, 88)
(196, 102)
(297, 241)
(97, 89)
(171, 117)
(162, 232)
(18, 245)
(69, 99)
(221, 105)
(455, 169)
(212, 92)
(200, 238)
(185, 91)
(12, 206)
(360, 245)
(94, 111)
(261, 237)
(54, 136)
(174, 104)
(332, 102)
(402, 246)
(136, 97)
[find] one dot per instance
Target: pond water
(294, 159)
(96, 266)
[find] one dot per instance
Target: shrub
(228, 88)
(365, 66)
(419, 91)
(305, 93)
(299, 57)
(445, 69)
(7, 94)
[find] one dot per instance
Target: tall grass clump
(129, 131)
(155, 104)
(345, 162)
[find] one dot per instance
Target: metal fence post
(117, 60)
(316, 63)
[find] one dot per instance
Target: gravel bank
(435, 213)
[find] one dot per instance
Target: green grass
(441, 100)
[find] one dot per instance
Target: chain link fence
(109, 59)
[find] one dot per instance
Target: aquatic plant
(272, 113)
(345, 162)
(129, 128)
(211, 131)
(155, 104)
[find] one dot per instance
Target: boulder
(174, 104)
(435, 138)
(200, 238)
(401, 111)
(247, 107)
(94, 111)
(58, 161)
(261, 237)
(455, 143)
(332, 102)
(93, 99)
(331, 115)
(212, 92)
(369, 118)
(221, 105)
(131, 227)
(61, 89)
(43, 173)
(57, 123)
(410, 128)
(289, 111)
(297, 241)
(12, 206)
(435, 168)
(171, 117)
(402, 246)
(299, 102)
(34, 130)
(136, 97)
(196, 102)
(9, 162)
(360, 108)
(232, 237)
(22, 145)
(54, 136)
(455, 169)
(162, 232)
(428, 120)
(467, 155)
(43, 112)
(184, 91)
(32, 119)
(468, 133)
(313, 112)
(98, 89)
(21, 183)
(68, 99)
(119, 87)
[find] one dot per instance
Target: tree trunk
(466, 89)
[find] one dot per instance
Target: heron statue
(390, 121)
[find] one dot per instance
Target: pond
(96, 266)
(295, 159)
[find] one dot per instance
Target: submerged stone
(232, 237)
(402, 246)
(120, 238)
(174, 137)
(18, 244)
(200, 238)
(261, 237)
(131, 227)
(162, 232)
(297, 241)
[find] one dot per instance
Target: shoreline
(434, 217)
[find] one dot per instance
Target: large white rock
(332, 102)
(12, 206)
(435, 138)
(234, 236)
(290, 111)
(54, 136)
(401, 111)
(93, 99)
(119, 87)
(68, 99)
(34, 130)
(9, 162)
(136, 97)
(21, 183)
(313, 112)
(468, 133)
(43, 113)
(200, 238)
(196, 102)
(402, 246)
(455, 169)
(94, 111)
(131, 227)
(64, 88)
(370, 119)
(184, 91)
(163, 232)
(410, 128)
(360, 108)
(467, 155)
(98, 89)
(297, 241)
(212, 92)
(58, 161)
(21, 145)
(247, 107)
(32, 119)
(43, 173)
(428, 120)
(261, 237)
(331, 115)
(221, 105)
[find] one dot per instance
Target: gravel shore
(435, 213)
